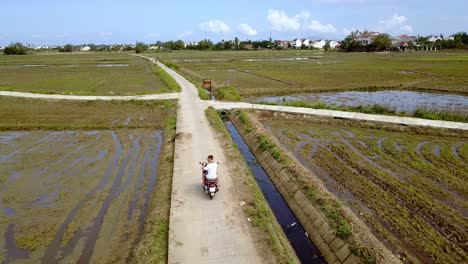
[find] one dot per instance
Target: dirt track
(201, 230)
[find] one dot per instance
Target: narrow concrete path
(203, 230)
(91, 97)
(341, 114)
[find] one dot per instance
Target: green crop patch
(283, 72)
(81, 74)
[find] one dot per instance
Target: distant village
(364, 39)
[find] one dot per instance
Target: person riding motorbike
(210, 170)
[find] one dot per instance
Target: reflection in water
(401, 101)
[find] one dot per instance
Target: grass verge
(380, 110)
(201, 92)
(273, 244)
(228, 93)
(167, 79)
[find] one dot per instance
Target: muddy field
(84, 188)
(408, 184)
(75, 195)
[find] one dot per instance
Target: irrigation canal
(306, 251)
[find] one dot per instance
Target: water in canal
(305, 249)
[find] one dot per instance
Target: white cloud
(396, 24)
(281, 22)
(316, 26)
(215, 26)
(246, 29)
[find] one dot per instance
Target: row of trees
(352, 43)
(457, 41)
(15, 49)
(206, 44)
(383, 42)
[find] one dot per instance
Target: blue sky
(105, 21)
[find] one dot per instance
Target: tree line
(351, 43)
(383, 42)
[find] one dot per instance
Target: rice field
(102, 73)
(409, 185)
(81, 187)
(260, 73)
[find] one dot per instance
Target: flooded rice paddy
(75, 196)
(401, 101)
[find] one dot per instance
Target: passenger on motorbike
(210, 170)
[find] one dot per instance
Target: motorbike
(211, 187)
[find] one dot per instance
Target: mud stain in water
(6, 138)
(53, 248)
(418, 151)
(380, 143)
(55, 163)
(436, 151)
(398, 147)
(349, 134)
(141, 176)
(9, 211)
(151, 184)
(455, 151)
(93, 231)
(13, 252)
(91, 203)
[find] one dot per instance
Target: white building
(366, 38)
(300, 42)
(190, 44)
(85, 48)
(297, 43)
(434, 38)
(319, 44)
(334, 44)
